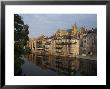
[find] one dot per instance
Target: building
(74, 47)
(69, 43)
(88, 43)
(48, 47)
(66, 42)
(32, 44)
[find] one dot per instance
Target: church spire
(74, 29)
(75, 26)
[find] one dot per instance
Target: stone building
(71, 43)
(88, 43)
(32, 44)
(61, 43)
(48, 46)
(67, 43)
(74, 47)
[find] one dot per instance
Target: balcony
(63, 43)
(58, 52)
(47, 43)
(59, 47)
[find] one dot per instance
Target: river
(44, 65)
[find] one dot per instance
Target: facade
(48, 46)
(68, 43)
(32, 44)
(74, 47)
(88, 43)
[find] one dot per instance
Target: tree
(20, 41)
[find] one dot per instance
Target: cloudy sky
(48, 24)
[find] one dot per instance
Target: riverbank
(87, 57)
(93, 57)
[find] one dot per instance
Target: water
(43, 65)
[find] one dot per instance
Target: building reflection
(64, 65)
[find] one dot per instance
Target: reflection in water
(59, 66)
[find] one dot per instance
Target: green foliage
(20, 41)
(27, 50)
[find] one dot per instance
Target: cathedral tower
(74, 29)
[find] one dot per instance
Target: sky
(48, 24)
